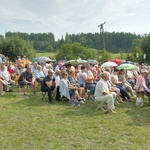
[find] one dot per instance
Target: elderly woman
(125, 83)
(89, 81)
(141, 82)
(73, 80)
(73, 90)
(119, 84)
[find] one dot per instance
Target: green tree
(122, 55)
(145, 46)
(75, 50)
(49, 48)
(1, 37)
(67, 39)
(137, 54)
(105, 56)
(136, 42)
(15, 46)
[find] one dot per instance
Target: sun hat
(144, 71)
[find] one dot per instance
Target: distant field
(47, 54)
(117, 55)
(53, 55)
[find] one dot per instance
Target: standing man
(49, 85)
(103, 93)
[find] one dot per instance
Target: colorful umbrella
(44, 59)
(72, 62)
(83, 61)
(127, 67)
(117, 61)
(109, 64)
(25, 61)
(92, 61)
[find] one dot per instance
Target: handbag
(136, 87)
(139, 101)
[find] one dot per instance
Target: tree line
(114, 41)
(89, 45)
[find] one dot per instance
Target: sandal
(130, 100)
(121, 101)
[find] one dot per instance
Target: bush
(15, 46)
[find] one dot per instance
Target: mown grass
(32, 124)
(53, 55)
(47, 54)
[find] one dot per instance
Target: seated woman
(5, 76)
(147, 78)
(72, 92)
(114, 88)
(115, 81)
(89, 81)
(3, 84)
(74, 82)
(131, 77)
(126, 84)
(141, 83)
(11, 71)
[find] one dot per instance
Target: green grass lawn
(47, 54)
(32, 124)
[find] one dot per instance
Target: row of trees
(83, 45)
(46, 41)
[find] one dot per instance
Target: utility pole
(101, 33)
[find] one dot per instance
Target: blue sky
(74, 16)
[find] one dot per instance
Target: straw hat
(144, 71)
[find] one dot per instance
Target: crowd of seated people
(80, 79)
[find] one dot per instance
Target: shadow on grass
(31, 101)
(86, 109)
(139, 115)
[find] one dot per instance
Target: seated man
(27, 78)
(39, 74)
(103, 94)
(49, 84)
(3, 84)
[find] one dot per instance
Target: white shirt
(40, 74)
(57, 78)
(5, 74)
(101, 86)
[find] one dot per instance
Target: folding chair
(44, 96)
(99, 106)
(28, 87)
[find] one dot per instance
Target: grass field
(53, 55)
(32, 124)
(47, 54)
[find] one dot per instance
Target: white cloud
(61, 16)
